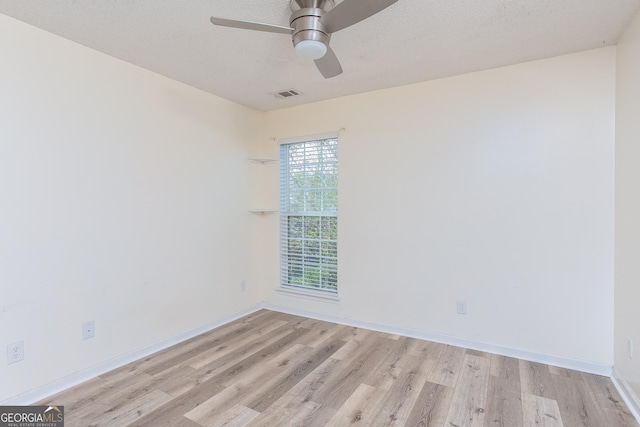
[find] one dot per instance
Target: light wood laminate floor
(275, 369)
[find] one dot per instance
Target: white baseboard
(562, 362)
(628, 395)
(63, 383)
(76, 378)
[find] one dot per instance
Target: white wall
(496, 187)
(123, 199)
(627, 235)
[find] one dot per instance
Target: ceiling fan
(311, 25)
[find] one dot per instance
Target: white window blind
(309, 214)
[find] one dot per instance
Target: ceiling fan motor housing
(305, 20)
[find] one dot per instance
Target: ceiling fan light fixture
(311, 25)
(311, 49)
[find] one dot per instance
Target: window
(309, 215)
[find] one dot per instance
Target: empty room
(320, 213)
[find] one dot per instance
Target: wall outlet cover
(15, 352)
(461, 306)
(88, 330)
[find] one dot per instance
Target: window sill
(308, 294)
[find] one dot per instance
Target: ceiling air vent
(287, 93)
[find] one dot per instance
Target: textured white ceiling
(411, 41)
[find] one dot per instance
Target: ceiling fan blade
(250, 25)
(351, 12)
(329, 65)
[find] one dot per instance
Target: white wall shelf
(263, 160)
(263, 211)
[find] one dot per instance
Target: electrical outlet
(15, 352)
(630, 347)
(88, 330)
(461, 306)
(243, 286)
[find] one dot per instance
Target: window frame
(285, 215)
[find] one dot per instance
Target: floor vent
(287, 93)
